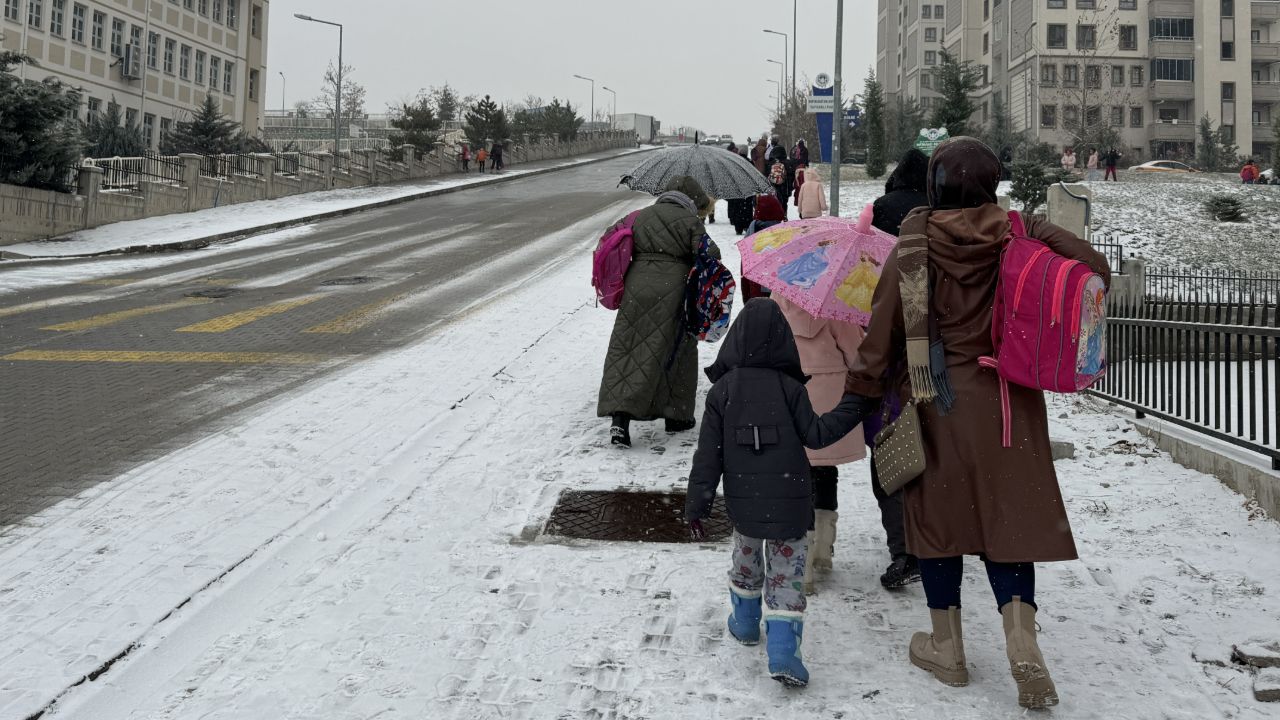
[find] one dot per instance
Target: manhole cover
(214, 293)
(353, 280)
(630, 516)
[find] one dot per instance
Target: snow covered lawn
(369, 547)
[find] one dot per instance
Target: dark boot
(620, 432)
(903, 571)
(675, 426)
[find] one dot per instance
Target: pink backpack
(610, 261)
(1048, 324)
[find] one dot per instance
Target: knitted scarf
(926, 356)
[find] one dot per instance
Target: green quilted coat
(640, 377)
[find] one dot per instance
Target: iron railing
(310, 163)
(1213, 286)
(124, 173)
(1212, 368)
(287, 163)
(1114, 253)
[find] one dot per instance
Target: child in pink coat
(827, 349)
(812, 195)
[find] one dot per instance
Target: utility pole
(838, 112)
(795, 42)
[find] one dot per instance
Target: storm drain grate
(353, 280)
(630, 516)
(213, 293)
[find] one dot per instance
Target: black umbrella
(721, 174)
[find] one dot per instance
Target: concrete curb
(243, 233)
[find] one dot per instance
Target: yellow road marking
(355, 319)
(244, 317)
(111, 318)
(163, 356)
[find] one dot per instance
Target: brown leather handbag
(899, 450)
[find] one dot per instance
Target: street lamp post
(795, 42)
(838, 111)
(593, 94)
(337, 95)
(782, 75)
(786, 44)
(614, 117)
(284, 106)
(778, 102)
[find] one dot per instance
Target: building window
(986, 9)
(1228, 8)
(930, 57)
(1228, 50)
(1048, 116)
(135, 37)
(926, 12)
(12, 10)
(1135, 117)
(1135, 75)
(1117, 116)
(1070, 75)
(1093, 116)
(217, 11)
(200, 56)
(228, 77)
(986, 75)
(1172, 69)
(253, 84)
(233, 14)
(1128, 37)
(937, 12)
(1049, 75)
(93, 107)
(1086, 37)
(1086, 5)
(1057, 37)
(1070, 116)
(130, 118)
(78, 13)
(1128, 4)
(166, 126)
(986, 43)
(170, 48)
(117, 37)
(153, 50)
(189, 4)
(1228, 91)
(99, 30)
(184, 62)
(1255, 36)
(35, 13)
(255, 20)
(149, 129)
(1057, 4)
(1228, 132)
(202, 7)
(930, 34)
(1173, 28)
(1093, 76)
(215, 72)
(1117, 76)
(57, 13)
(926, 81)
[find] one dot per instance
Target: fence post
(191, 179)
(371, 162)
(409, 153)
(268, 173)
(88, 183)
(1070, 208)
(326, 168)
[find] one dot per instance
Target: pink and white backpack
(610, 261)
(1048, 324)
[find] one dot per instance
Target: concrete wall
(30, 214)
(1245, 478)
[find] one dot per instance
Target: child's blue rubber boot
(782, 638)
(744, 622)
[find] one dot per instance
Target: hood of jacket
(963, 173)
(966, 243)
(910, 174)
(759, 338)
(691, 188)
(768, 208)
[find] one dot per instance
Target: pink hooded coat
(827, 349)
(813, 196)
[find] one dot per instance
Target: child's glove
(696, 531)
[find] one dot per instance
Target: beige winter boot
(809, 588)
(824, 538)
(1035, 687)
(942, 653)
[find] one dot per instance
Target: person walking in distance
(465, 157)
(1091, 165)
(496, 156)
(482, 156)
(781, 176)
(811, 197)
(1109, 161)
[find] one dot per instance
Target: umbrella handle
(864, 219)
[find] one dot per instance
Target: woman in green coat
(651, 369)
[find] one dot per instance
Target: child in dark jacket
(758, 422)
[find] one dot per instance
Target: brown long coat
(975, 496)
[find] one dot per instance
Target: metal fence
(1113, 251)
(1211, 286)
(310, 163)
(287, 163)
(124, 173)
(1212, 368)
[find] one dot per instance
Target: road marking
(110, 282)
(98, 321)
(163, 356)
(244, 317)
(357, 318)
(45, 304)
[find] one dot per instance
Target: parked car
(1268, 176)
(1172, 166)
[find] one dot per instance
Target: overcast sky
(699, 63)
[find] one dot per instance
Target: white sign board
(821, 104)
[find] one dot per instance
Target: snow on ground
(377, 532)
(183, 227)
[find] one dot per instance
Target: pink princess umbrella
(827, 266)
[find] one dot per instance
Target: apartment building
(157, 59)
(1150, 69)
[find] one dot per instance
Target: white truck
(644, 126)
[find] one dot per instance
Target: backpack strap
(1016, 229)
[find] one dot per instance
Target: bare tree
(1087, 92)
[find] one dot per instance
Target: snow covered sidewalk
(244, 218)
(369, 548)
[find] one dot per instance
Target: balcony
(1173, 8)
(1266, 91)
(1174, 130)
(1174, 90)
(1164, 47)
(1264, 51)
(1265, 10)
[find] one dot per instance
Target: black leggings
(825, 479)
(942, 576)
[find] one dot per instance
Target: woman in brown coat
(975, 497)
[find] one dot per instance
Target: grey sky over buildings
(700, 63)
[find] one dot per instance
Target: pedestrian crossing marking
(164, 356)
(244, 317)
(98, 321)
(355, 319)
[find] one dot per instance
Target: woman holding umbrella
(651, 369)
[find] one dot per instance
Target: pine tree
(486, 122)
(561, 120)
(1208, 153)
(956, 81)
(446, 102)
(1228, 152)
(109, 135)
(904, 120)
(873, 107)
(417, 125)
(38, 130)
(1225, 208)
(208, 132)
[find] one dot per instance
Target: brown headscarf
(963, 173)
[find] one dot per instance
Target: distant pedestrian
(482, 157)
(465, 157)
(1069, 160)
(800, 153)
(1092, 165)
(811, 198)
(496, 155)
(1249, 173)
(757, 424)
(781, 176)
(768, 212)
(1110, 161)
(758, 156)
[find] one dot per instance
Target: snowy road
(366, 547)
(125, 359)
